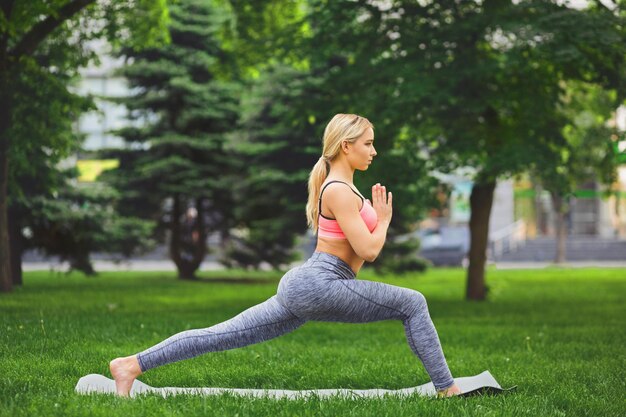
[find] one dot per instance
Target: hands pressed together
(382, 203)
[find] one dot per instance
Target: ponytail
(316, 179)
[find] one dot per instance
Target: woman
(324, 288)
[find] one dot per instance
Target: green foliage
(136, 24)
(261, 35)
(178, 158)
(284, 116)
(124, 23)
(501, 87)
(76, 221)
(347, 49)
(64, 220)
(582, 53)
(43, 44)
(278, 146)
(46, 110)
(475, 84)
(589, 151)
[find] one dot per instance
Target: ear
(345, 146)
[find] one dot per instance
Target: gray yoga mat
(480, 384)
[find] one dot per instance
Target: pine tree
(176, 169)
(279, 145)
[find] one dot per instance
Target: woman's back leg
(258, 323)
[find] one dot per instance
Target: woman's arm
(382, 203)
(379, 235)
(345, 209)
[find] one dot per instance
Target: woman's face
(362, 152)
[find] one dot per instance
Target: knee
(418, 301)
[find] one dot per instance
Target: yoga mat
(481, 384)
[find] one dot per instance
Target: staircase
(578, 248)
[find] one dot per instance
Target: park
(281, 195)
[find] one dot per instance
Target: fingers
(379, 193)
(375, 193)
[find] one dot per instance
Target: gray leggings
(324, 288)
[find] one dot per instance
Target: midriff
(341, 248)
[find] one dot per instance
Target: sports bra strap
(330, 182)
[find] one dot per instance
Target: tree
(80, 220)
(30, 35)
(589, 150)
(262, 35)
(474, 83)
(278, 145)
(57, 215)
(177, 159)
(498, 74)
(336, 50)
(45, 110)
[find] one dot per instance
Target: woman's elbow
(370, 256)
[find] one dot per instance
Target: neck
(341, 170)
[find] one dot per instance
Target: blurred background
(179, 135)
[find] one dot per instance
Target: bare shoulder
(341, 198)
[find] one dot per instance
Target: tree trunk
(80, 262)
(185, 268)
(175, 231)
(5, 124)
(187, 271)
(16, 243)
(201, 232)
(481, 200)
(560, 208)
(189, 267)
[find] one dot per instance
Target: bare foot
(449, 392)
(124, 372)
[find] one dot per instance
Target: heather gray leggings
(324, 288)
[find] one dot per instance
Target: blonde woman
(351, 230)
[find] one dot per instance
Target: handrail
(507, 239)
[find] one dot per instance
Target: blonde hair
(342, 127)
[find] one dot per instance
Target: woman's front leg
(362, 301)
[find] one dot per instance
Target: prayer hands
(382, 203)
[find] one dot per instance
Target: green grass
(557, 334)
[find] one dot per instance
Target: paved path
(165, 265)
(133, 265)
(569, 264)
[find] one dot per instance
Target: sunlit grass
(557, 334)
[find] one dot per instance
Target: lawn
(558, 334)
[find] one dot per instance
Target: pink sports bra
(328, 227)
